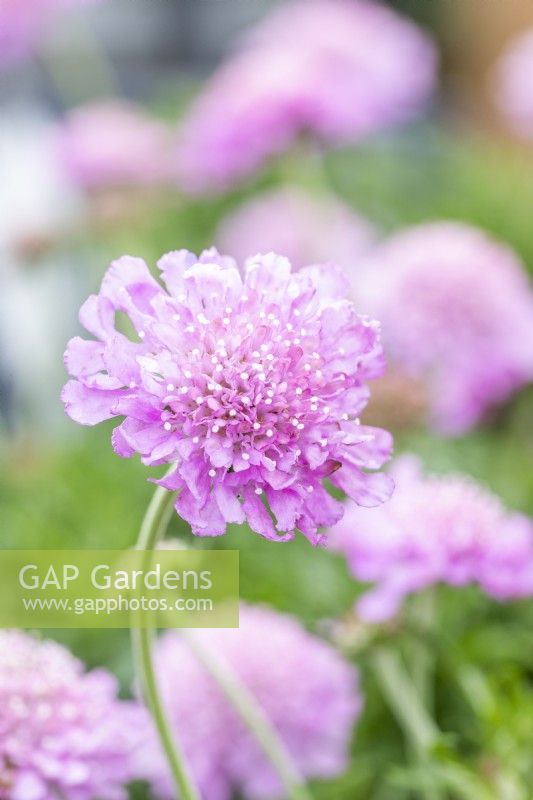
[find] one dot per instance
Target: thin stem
(403, 700)
(153, 527)
(409, 709)
(253, 716)
(422, 614)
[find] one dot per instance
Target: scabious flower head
(513, 84)
(444, 528)
(112, 143)
(309, 693)
(457, 314)
(23, 24)
(250, 384)
(307, 229)
(63, 733)
(337, 69)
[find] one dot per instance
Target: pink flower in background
(514, 86)
(309, 693)
(338, 69)
(457, 313)
(443, 528)
(113, 143)
(23, 24)
(63, 733)
(308, 229)
(250, 384)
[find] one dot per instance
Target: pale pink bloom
(308, 229)
(63, 732)
(457, 314)
(309, 693)
(514, 84)
(436, 528)
(338, 70)
(113, 143)
(250, 384)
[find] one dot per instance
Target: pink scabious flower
(457, 315)
(513, 84)
(112, 143)
(250, 385)
(63, 733)
(23, 24)
(337, 69)
(307, 229)
(444, 528)
(308, 692)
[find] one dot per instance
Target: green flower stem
(152, 529)
(422, 616)
(402, 697)
(253, 716)
(420, 731)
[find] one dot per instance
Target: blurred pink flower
(443, 528)
(309, 693)
(249, 384)
(113, 143)
(307, 229)
(63, 733)
(457, 312)
(24, 23)
(514, 84)
(338, 69)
